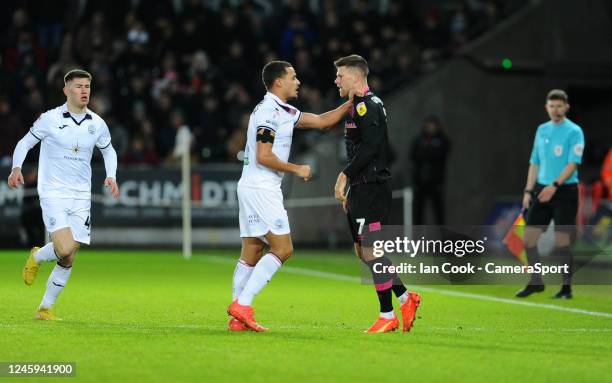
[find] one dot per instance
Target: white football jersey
(66, 145)
(272, 114)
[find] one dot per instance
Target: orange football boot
(383, 325)
(235, 325)
(409, 309)
(245, 314)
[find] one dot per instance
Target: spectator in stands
(150, 57)
(429, 153)
(12, 131)
(140, 153)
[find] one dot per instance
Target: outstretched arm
(21, 151)
(325, 120)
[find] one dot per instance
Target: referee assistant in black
(369, 196)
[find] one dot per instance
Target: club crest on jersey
(361, 108)
(558, 150)
(91, 129)
(51, 221)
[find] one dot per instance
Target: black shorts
(562, 207)
(368, 209)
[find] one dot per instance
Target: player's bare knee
(66, 261)
(283, 252)
(66, 250)
(252, 251)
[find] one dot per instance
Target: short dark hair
(354, 61)
(557, 94)
(273, 70)
(76, 73)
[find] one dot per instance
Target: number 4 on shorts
(88, 223)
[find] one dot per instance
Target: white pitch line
(516, 302)
(349, 278)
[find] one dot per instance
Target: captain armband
(265, 135)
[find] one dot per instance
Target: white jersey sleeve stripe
(32, 133)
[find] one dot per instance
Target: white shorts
(261, 211)
(59, 213)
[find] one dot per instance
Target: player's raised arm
(267, 158)
(325, 120)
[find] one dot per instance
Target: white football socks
(262, 273)
(55, 284)
(389, 315)
(45, 254)
(404, 297)
(241, 277)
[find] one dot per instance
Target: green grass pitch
(150, 316)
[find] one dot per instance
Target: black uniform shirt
(365, 133)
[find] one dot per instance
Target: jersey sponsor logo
(350, 125)
(361, 109)
(76, 149)
(558, 150)
(578, 149)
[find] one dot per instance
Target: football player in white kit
(263, 218)
(68, 135)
